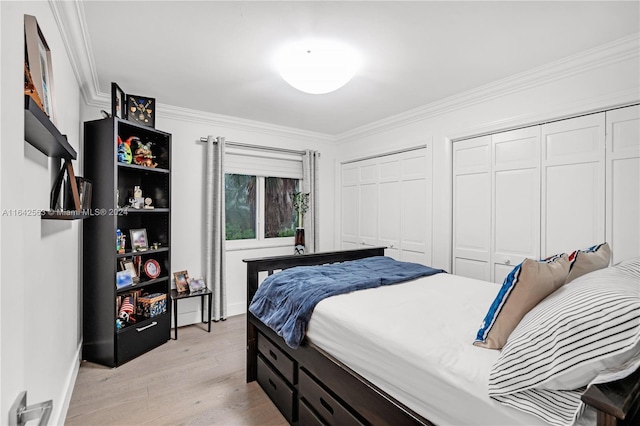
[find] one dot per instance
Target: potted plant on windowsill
(300, 205)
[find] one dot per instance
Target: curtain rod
(399, 151)
(263, 148)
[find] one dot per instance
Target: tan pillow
(528, 283)
(584, 261)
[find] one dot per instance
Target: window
(259, 207)
(259, 188)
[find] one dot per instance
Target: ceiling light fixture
(317, 66)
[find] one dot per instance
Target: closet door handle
(507, 262)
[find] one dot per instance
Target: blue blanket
(285, 300)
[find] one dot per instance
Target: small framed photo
(128, 265)
(39, 63)
(182, 281)
(152, 268)
(123, 279)
(118, 97)
(139, 241)
(196, 284)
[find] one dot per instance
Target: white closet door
(390, 197)
(472, 208)
(623, 182)
(414, 209)
(350, 231)
(573, 184)
(516, 199)
(368, 204)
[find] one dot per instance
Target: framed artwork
(38, 61)
(141, 110)
(117, 101)
(139, 241)
(196, 284)
(182, 281)
(128, 265)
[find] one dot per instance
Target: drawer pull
(147, 326)
(326, 405)
(273, 355)
(273, 384)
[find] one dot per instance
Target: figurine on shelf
(123, 243)
(137, 201)
(147, 203)
(143, 155)
(124, 149)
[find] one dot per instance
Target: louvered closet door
(623, 182)
(516, 199)
(573, 184)
(472, 208)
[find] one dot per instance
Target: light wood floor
(198, 379)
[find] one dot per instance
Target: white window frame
(236, 166)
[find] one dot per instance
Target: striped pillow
(526, 285)
(584, 261)
(586, 326)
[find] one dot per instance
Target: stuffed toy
(143, 156)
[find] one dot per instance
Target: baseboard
(58, 416)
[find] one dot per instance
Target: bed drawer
(327, 408)
(307, 417)
(277, 358)
(278, 390)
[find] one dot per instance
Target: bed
(340, 374)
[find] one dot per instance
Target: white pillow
(584, 327)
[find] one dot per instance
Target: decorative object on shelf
(143, 155)
(139, 239)
(300, 205)
(84, 192)
(137, 201)
(127, 311)
(117, 101)
(123, 279)
(152, 268)
(119, 248)
(155, 246)
(64, 194)
(30, 88)
(196, 284)
(182, 281)
(147, 203)
(141, 110)
(39, 63)
(151, 305)
(124, 149)
(128, 265)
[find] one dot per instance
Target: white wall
(188, 193)
(40, 276)
(602, 78)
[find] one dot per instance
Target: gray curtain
(215, 227)
(310, 185)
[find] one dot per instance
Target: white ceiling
(215, 56)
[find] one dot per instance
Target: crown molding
(598, 57)
(70, 18)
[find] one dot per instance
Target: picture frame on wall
(118, 98)
(38, 61)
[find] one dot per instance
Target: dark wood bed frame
(309, 386)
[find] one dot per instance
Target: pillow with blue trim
(525, 286)
(588, 260)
